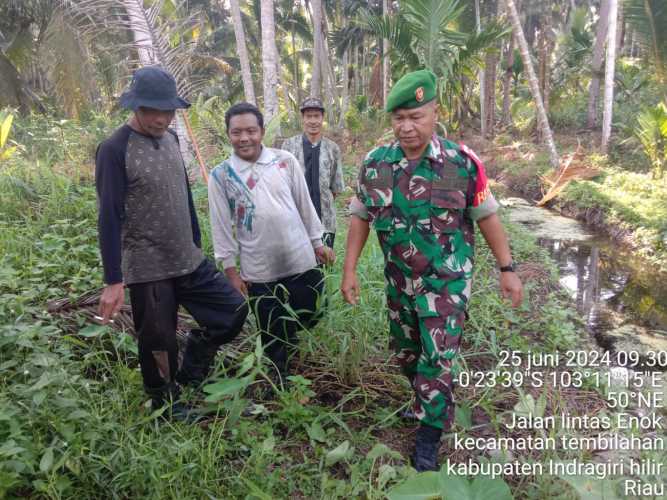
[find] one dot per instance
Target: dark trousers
(284, 307)
(206, 294)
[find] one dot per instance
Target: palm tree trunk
(490, 68)
(543, 63)
(242, 50)
(363, 71)
(269, 61)
(620, 29)
(316, 79)
(482, 86)
(542, 119)
(12, 89)
(385, 59)
(328, 76)
(490, 63)
(345, 95)
(596, 65)
(507, 82)
(609, 75)
(297, 82)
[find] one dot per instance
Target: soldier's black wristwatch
(508, 268)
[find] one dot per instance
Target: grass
(627, 198)
(74, 422)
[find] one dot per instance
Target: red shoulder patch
(482, 184)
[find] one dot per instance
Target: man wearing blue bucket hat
(150, 242)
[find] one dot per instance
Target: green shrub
(651, 131)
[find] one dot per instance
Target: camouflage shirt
(331, 175)
(423, 211)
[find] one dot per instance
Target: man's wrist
(231, 272)
(507, 268)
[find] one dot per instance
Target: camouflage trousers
(426, 332)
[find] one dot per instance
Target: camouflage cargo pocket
(448, 203)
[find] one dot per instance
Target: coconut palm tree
(270, 61)
(610, 62)
(596, 64)
(542, 119)
(318, 42)
(242, 51)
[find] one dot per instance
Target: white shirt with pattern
(262, 213)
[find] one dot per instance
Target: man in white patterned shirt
(261, 213)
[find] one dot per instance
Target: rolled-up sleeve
(483, 202)
(357, 208)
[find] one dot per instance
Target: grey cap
(311, 103)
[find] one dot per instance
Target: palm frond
(648, 19)
(156, 39)
(347, 36)
(67, 60)
(432, 22)
(397, 31)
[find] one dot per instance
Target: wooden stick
(204, 173)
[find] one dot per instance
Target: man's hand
(325, 255)
(349, 287)
(236, 281)
(511, 288)
(113, 297)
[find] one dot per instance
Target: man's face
(246, 136)
(414, 127)
(312, 121)
(154, 122)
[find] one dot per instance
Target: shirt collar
(266, 156)
(313, 144)
(432, 152)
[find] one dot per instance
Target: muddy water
(622, 301)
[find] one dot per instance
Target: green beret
(413, 90)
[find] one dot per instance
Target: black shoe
(197, 359)
(427, 443)
(183, 413)
(177, 411)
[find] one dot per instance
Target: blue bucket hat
(152, 87)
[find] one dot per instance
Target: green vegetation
(73, 418)
(628, 200)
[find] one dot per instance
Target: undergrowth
(74, 422)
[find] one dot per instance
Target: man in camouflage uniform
(322, 164)
(422, 194)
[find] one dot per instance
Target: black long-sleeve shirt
(113, 185)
